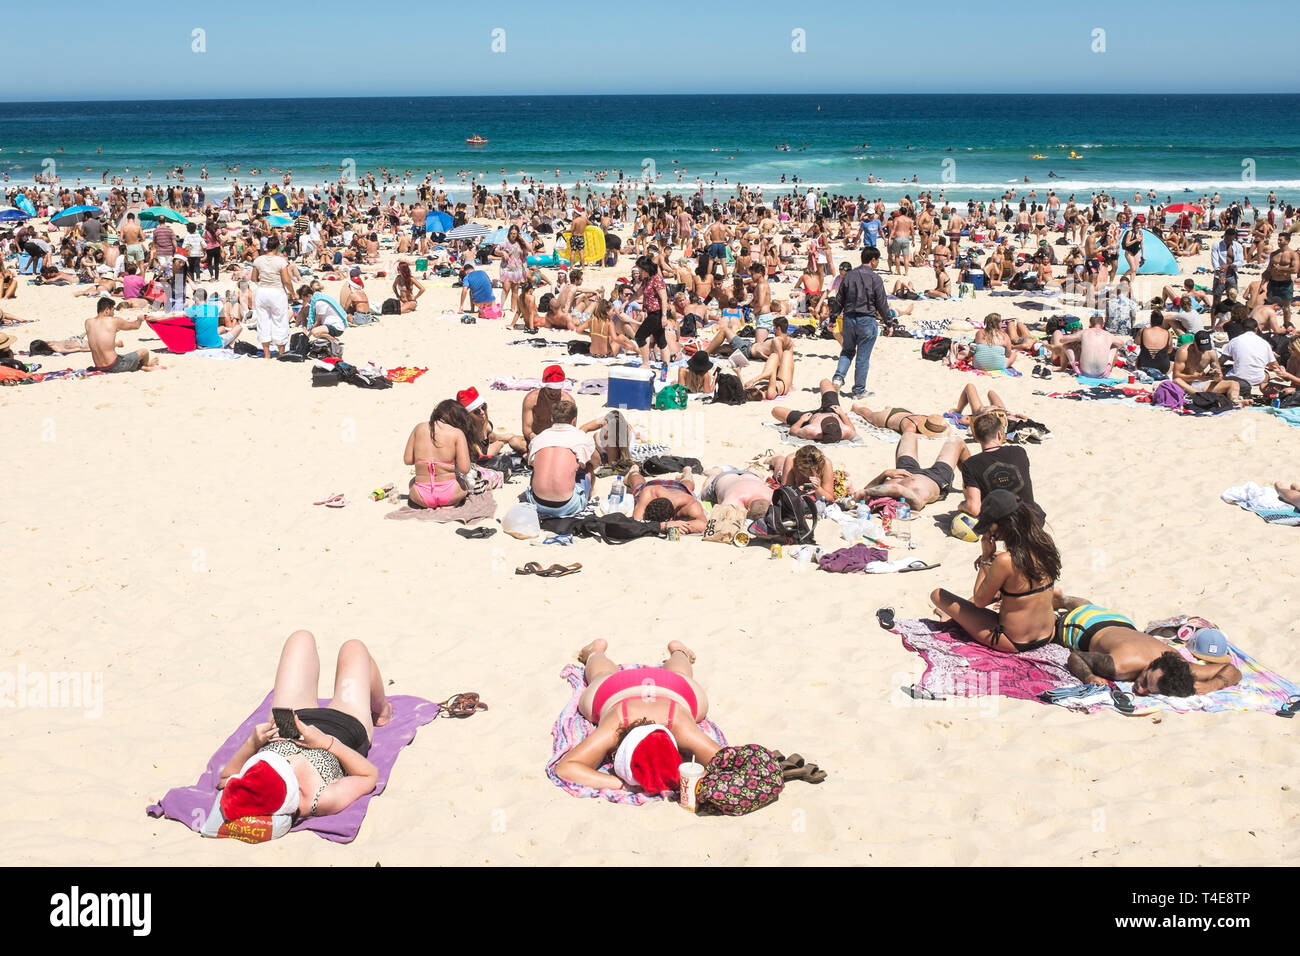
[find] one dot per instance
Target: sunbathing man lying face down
(645, 716)
(1107, 646)
(671, 503)
(830, 423)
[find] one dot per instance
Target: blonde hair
(992, 322)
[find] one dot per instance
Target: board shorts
(562, 509)
(135, 252)
(577, 243)
(940, 472)
(1280, 292)
(764, 321)
(1076, 629)
(1245, 385)
(900, 247)
(742, 345)
(130, 362)
(418, 232)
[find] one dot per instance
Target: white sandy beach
(159, 531)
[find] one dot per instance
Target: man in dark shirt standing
(863, 300)
(998, 466)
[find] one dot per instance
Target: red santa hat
(648, 758)
(553, 377)
(265, 786)
(470, 398)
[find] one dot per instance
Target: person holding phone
(325, 748)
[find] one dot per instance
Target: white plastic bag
(521, 521)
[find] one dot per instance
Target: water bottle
(904, 510)
(863, 511)
(616, 492)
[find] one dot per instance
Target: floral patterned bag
(739, 780)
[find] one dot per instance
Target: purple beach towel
(571, 728)
(190, 805)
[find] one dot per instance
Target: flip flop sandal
(886, 617)
(1290, 708)
(476, 534)
(917, 565)
(340, 503)
(561, 539)
(559, 570)
(792, 762)
(1122, 701)
(532, 567)
(809, 773)
(462, 705)
(337, 496)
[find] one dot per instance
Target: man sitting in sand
(1106, 646)
(671, 503)
(540, 402)
(1091, 352)
(829, 424)
(919, 486)
(996, 466)
(101, 336)
(1196, 368)
(563, 459)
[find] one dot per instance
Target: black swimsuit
(1029, 645)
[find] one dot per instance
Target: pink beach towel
(571, 728)
(957, 665)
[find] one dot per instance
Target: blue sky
(332, 48)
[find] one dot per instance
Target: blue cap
(1209, 644)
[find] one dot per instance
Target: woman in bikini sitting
(439, 451)
(1021, 578)
(629, 707)
(808, 468)
(328, 761)
(606, 340)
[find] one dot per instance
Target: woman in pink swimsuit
(439, 451)
(626, 704)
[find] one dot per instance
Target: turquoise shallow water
(977, 146)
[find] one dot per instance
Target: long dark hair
(1032, 550)
(451, 412)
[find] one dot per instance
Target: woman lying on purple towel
(312, 761)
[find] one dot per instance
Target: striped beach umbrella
(471, 230)
(10, 214)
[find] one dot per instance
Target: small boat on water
(475, 140)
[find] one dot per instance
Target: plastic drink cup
(674, 534)
(691, 774)
(1132, 379)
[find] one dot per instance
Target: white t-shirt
(193, 244)
(268, 271)
(575, 439)
(1250, 356)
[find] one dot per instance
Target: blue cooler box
(977, 279)
(630, 388)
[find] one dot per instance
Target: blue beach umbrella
(10, 214)
(158, 213)
(73, 215)
(278, 222)
(25, 204)
(499, 235)
(438, 222)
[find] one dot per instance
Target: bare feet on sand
(599, 644)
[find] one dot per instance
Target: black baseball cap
(996, 505)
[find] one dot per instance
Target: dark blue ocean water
(966, 145)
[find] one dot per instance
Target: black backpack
(791, 519)
(612, 528)
(390, 307)
(936, 348)
(689, 326)
(728, 390)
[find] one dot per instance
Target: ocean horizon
(878, 145)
